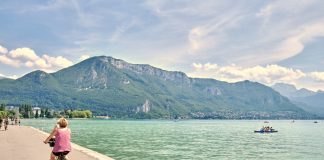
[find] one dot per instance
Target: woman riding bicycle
(62, 139)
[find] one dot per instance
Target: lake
(195, 139)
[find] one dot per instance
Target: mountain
(112, 86)
(312, 104)
(291, 91)
(310, 101)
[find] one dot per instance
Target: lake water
(196, 139)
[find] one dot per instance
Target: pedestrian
(6, 123)
(1, 122)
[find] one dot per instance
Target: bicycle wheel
(61, 157)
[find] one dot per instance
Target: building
(35, 109)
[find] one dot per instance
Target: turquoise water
(196, 139)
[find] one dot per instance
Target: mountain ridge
(308, 100)
(121, 89)
(291, 91)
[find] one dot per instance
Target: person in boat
(266, 129)
(62, 138)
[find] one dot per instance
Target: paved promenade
(26, 143)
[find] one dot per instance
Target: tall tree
(2, 107)
(36, 115)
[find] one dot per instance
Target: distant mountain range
(308, 100)
(120, 89)
(291, 91)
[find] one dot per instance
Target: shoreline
(131, 119)
(77, 147)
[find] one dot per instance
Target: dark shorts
(61, 153)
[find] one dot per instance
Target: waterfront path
(26, 143)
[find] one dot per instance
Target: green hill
(120, 89)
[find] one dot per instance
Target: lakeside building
(36, 109)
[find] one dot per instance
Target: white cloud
(295, 44)
(84, 57)
(317, 76)
(265, 11)
(268, 74)
(58, 62)
(194, 38)
(27, 57)
(197, 66)
(24, 53)
(41, 63)
(209, 66)
(212, 33)
(11, 77)
(3, 50)
(29, 64)
(8, 61)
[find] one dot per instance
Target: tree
(42, 113)
(2, 107)
(81, 114)
(11, 113)
(3, 114)
(88, 113)
(26, 111)
(56, 114)
(68, 113)
(36, 115)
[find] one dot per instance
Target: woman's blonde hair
(62, 122)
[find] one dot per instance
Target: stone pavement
(26, 143)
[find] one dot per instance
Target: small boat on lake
(266, 122)
(266, 130)
(315, 122)
(261, 131)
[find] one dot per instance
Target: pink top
(62, 140)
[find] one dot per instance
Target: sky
(229, 40)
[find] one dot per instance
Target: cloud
(27, 57)
(317, 76)
(268, 74)
(84, 57)
(29, 64)
(197, 66)
(57, 62)
(11, 77)
(171, 33)
(25, 53)
(8, 61)
(194, 38)
(209, 35)
(295, 44)
(265, 11)
(3, 50)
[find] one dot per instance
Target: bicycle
(60, 155)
